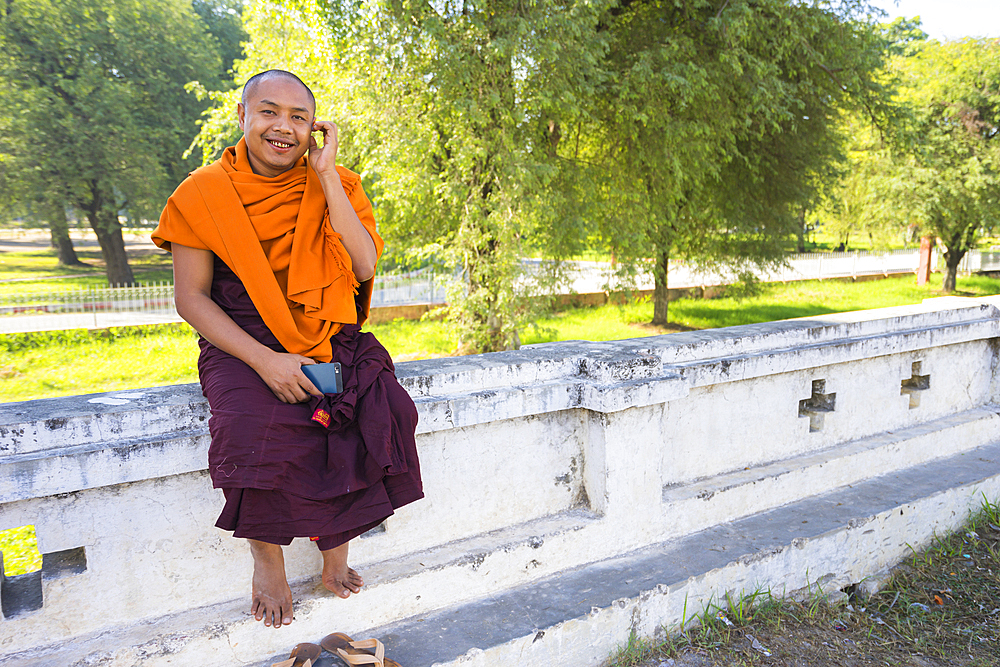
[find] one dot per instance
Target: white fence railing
(143, 304)
(980, 260)
(598, 276)
(144, 298)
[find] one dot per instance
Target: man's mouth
(279, 144)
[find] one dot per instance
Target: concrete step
(578, 617)
(475, 602)
(745, 492)
(459, 571)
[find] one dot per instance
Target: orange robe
(283, 275)
(275, 234)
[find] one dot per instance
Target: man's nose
(282, 123)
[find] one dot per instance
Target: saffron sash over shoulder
(274, 233)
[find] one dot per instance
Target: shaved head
(251, 85)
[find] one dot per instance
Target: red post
(924, 272)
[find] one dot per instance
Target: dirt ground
(805, 646)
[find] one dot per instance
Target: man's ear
(241, 112)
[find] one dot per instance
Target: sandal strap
(371, 643)
(290, 662)
(359, 658)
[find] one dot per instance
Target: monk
(274, 249)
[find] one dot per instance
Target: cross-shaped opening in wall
(23, 568)
(817, 405)
(915, 384)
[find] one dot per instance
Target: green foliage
(869, 202)
(455, 108)
(952, 159)
(720, 124)
(19, 547)
(489, 131)
(35, 340)
(224, 21)
(96, 117)
(937, 171)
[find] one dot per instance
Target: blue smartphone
(327, 377)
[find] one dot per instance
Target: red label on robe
(321, 416)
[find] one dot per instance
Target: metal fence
(143, 298)
(415, 287)
(153, 303)
(980, 260)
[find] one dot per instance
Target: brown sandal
(303, 655)
(351, 651)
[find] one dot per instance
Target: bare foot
(337, 577)
(272, 598)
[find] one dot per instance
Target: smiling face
(276, 120)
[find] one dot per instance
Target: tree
(871, 196)
(719, 124)
(459, 113)
(952, 149)
(98, 114)
(224, 21)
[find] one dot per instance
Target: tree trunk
(59, 227)
(951, 261)
(103, 220)
(800, 232)
(660, 291)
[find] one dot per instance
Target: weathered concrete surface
(535, 462)
(578, 616)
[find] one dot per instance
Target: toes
(339, 590)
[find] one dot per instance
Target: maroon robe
(285, 475)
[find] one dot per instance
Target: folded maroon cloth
(261, 443)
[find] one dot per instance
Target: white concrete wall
(533, 461)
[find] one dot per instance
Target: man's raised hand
(323, 159)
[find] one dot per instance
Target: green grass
(80, 362)
(812, 298)
(20, 551)
(939, 607)
(40, 270)
(46, 365)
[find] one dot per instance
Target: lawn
(39, 271)
(53, 364)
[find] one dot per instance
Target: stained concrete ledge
(540, 465)
(580, 616)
